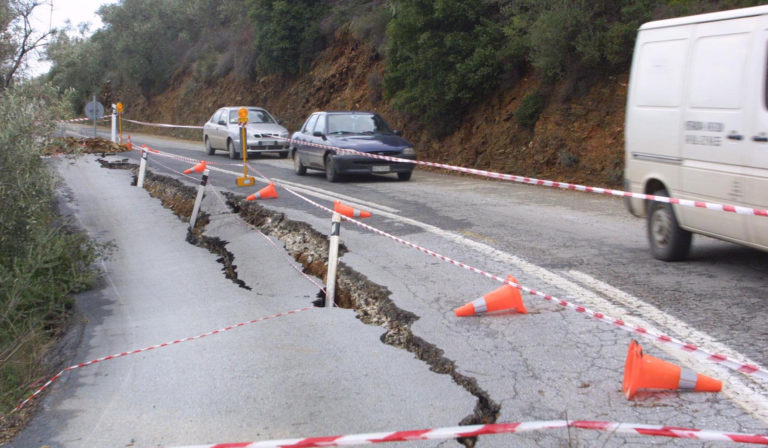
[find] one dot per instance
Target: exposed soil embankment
(578, 137)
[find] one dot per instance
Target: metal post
(333, 260)
(94, 116)
(142, 169)
(244, 147)
(198, 200)
(114, 123)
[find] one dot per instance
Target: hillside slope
(579, 140)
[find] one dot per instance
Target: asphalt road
(585, 248)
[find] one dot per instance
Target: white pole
(142, 169)
(94, 116)
(333, 260)
(114, 123)
(198, 200)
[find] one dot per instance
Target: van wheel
(330, 169)
(233, 153)
(208, 148)
(668, 241)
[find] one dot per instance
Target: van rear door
(715, 123)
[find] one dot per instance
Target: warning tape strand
(553, 184)
(728, 208)
(747, 368)
(74, 120)
(456, 432)
(162, 125)
(153, 347)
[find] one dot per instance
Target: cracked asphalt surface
(548, 364)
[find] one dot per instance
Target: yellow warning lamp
(242, 115)
(120, 107)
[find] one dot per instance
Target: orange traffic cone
(643, 371)
(265, 193)
(129, 145)
(200, 167)
(349, 212)
(504, 298)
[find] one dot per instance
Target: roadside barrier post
(114, 123)
(339, 209)
(142, 169)
(333, 260)
(198, 199)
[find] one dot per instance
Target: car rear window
(357, 124)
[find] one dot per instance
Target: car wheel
(283, 154)
(208, 148)
(406, 175)
(668, 241)
(298, 167)
(233, 153)
(330, 169)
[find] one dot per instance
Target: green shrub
(442, 59)
(41, 262)
(527, 114)
(285, 34)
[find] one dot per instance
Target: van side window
(659, 73)
(719, 85)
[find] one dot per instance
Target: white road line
(749, 395)
(321, 193)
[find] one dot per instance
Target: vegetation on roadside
(442, 56)
(42, 260)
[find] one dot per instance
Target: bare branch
(22, 37)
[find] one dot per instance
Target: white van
(697, 127)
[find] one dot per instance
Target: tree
(19, 39)
(286, 34)
(442, 59)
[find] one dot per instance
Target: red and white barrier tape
(699, 353)
(159, 125)
(525, 180)
(456, 432)
(146, 349)
(549, 183)
(74, 120)
(173, 156)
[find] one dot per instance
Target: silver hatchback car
(264, 133)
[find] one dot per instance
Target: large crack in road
(370, 301)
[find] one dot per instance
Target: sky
(55, 13)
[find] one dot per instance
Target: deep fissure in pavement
(371, 302)
(180, 198)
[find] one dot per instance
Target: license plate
(380, 169)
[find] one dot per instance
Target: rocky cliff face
(575, 140)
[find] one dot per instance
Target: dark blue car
(360, 131)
